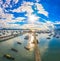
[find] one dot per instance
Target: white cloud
(27, 3)
(16, 26)
(15, 1)
(2, 23)
(35, 26)
(5, 24)
(1, 2)
(19, 19)
(7, 2)
(31, 18)
(56, 22)
(49, 24)
(25, 7)
(5, 15)
(41, 10)
(37, 1)
(8, 19)
(38, 25)
(52, 24)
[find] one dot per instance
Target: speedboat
(27, 48)
(54, 35)
(18, 42)
(14, 50)
(57, 36)
(48, 38)
(51, 34)
(8, 56)
(26, 37)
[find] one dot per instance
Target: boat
(19, 43)
(57, 36)
(50, 34)
(48, 38)
(26, 37)
(13, 49)
(8, 56)
(54, 35)
(27, 48)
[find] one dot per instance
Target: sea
(48, 44)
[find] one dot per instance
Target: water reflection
(30, 45)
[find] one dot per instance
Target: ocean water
(49, 48)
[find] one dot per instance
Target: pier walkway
(36, 50)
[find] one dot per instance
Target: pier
(36, 50)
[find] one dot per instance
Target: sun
(32, 18)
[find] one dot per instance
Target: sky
(43, 14)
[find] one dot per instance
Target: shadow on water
(53, 51)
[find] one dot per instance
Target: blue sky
(53, 7)
(18, 14)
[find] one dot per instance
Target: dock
(37, 55)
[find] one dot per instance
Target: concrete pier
(36, 50)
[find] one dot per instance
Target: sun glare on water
(31, 45)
